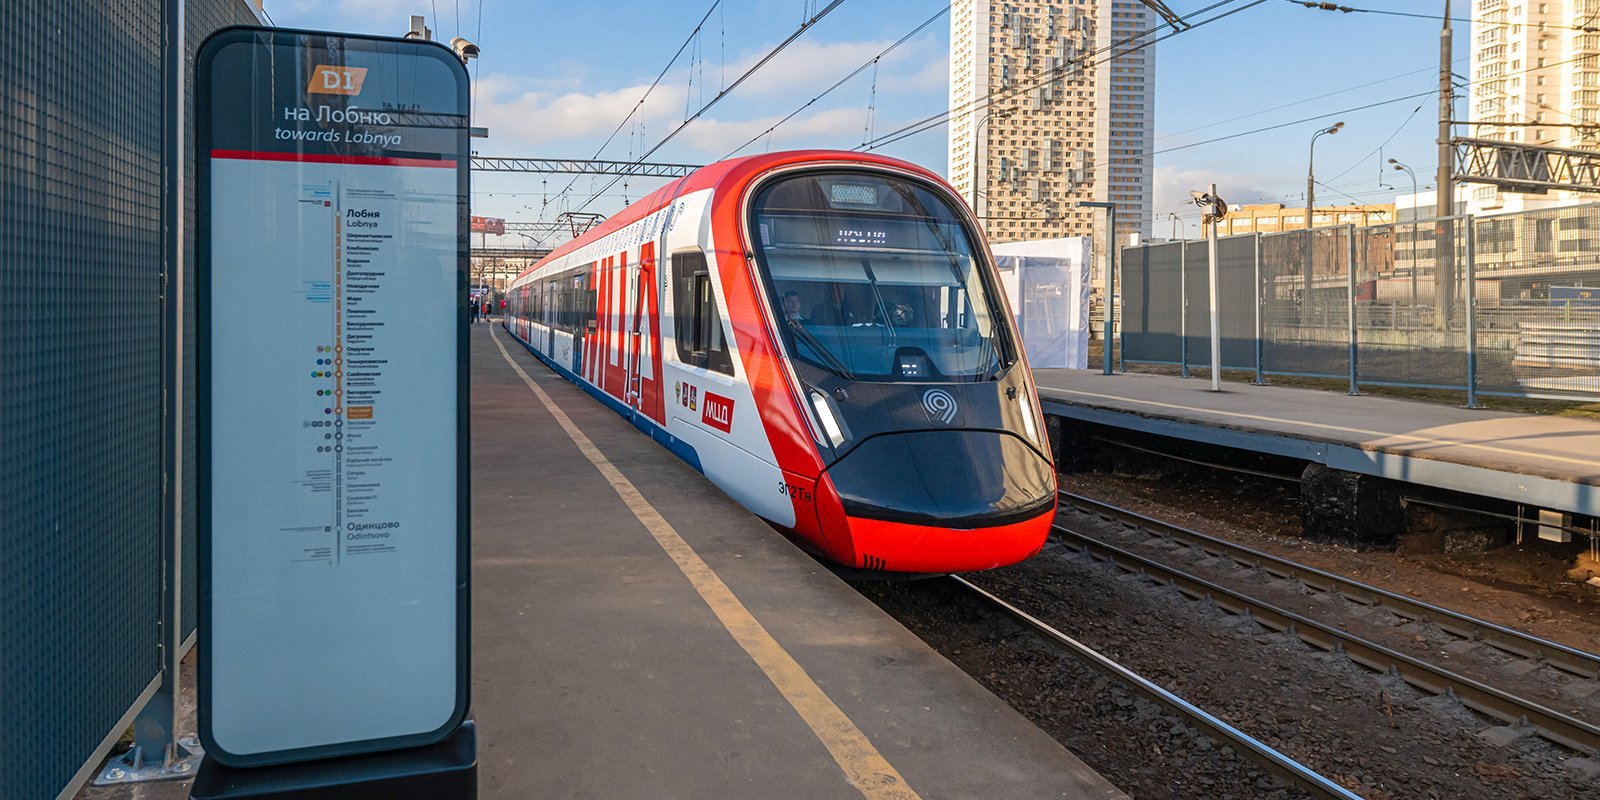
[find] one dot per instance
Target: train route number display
(333, 497)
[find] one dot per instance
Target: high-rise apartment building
(1532, 63)
(1047, 114)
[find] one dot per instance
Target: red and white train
(824, 336)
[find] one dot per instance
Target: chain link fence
(1505, 305)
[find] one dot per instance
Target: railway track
(1250, 748)
(1505, 706)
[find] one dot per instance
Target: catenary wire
(1322, 6)
(1379, 148)
(987, 100)
(842, 81)
(646, 96)
(771, 54)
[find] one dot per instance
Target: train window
(698, 331)
(879, 278)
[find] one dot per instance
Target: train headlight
(827, 419)
(1030, 420)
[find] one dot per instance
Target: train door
(644, 336)
(577, 302)
(547, 343)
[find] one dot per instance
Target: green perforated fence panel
(81, 371)
(80, 377)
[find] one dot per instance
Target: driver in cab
(791, 307)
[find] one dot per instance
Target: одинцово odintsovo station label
(333, 499)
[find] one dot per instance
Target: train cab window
(878, 278)
(694, 309)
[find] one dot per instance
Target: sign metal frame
(205, 118)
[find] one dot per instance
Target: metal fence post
(1261, 379)
(1122, 352)
(1183, 308)
(158, 752)
(1350, 280)
(1111, 282)
(1471, 289)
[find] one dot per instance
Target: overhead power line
(1314, 118)
(988, 100)
(1302, 120)
(1430, 68)
(1579, 125)
(1385, 143)
(804, 26)
(652, 88)
(842, 81)
(1166, 14)
(1316, 6)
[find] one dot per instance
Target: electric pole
(1444, 202)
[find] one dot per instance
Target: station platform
(1542, 461)
(638, 634)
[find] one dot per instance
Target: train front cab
(904, 358)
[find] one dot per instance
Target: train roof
(733, 173)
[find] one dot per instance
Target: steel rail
(1560, 728)
(1249, 747)
(1560, 656)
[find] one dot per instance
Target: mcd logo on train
(718, 412)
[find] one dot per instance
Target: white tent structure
(1047, 282)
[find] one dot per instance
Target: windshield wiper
(821, 350)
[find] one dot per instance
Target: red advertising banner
(492, 225)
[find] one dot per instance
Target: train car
(824, 336)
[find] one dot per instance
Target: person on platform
(476, 309)
(835, 311)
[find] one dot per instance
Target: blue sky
(556, 78)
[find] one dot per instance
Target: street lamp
(1311, 191)
(1399, 166)
(977, 152)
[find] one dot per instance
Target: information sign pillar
(333, 484)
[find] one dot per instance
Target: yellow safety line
(1383, 434)
(863, 765)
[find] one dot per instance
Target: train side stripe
(864, 767)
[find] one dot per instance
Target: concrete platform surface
(1553, 462)
(603, 669)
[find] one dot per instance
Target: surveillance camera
(464, 49)
(1199, 196)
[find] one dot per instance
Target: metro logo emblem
(940, 406)
(718, 412)
(327, 79)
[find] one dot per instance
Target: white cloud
(933, 74)
(513, 112)
(527, 114)
(830, 128)
(804, 66)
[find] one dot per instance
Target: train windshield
(875, 278)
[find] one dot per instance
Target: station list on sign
(334, 356)
(360, 390)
